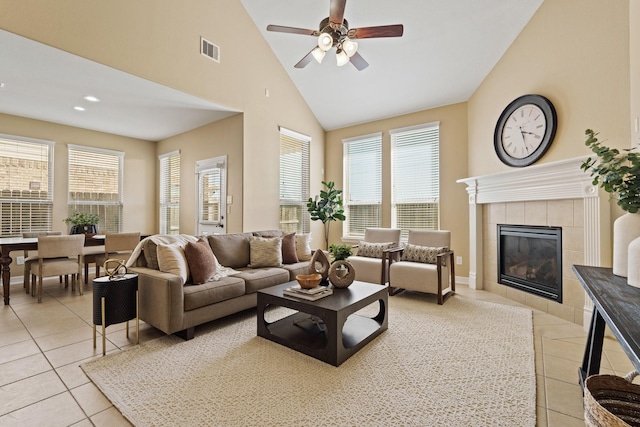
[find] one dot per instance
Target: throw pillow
(303, 246)
(268, 233)
(232, 250)
(265, 252)
(423, 254)
(150, 254)
(374, 250)
(171, 259)
(289, 255)
(201, 261)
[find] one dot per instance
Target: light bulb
(318, 54)
(341, 58)
(350, 47)
(325, 41)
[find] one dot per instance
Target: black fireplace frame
(532, 287)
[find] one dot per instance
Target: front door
(211, 175)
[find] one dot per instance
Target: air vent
(209, 49)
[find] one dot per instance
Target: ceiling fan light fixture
(318, 54)
(341, 58)
(350, 47)
(325, 41)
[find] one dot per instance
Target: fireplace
(530, 259)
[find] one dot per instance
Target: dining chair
(117, 246)
(29, 259)
(59, 255)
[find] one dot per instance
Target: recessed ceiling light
(91, 98)
(1, 85)
(78, 108)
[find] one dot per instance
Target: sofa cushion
(423, 254)
(201, 261)
(171, 259)
(374, 250)
(289, 255)
(231, 250)
(196, 296)
(265, 252)
(260, 278)
(301, 267)
(303, 246)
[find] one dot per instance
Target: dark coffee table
(326, 329)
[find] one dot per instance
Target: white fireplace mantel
(550, 181)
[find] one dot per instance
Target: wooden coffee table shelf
(326, 329)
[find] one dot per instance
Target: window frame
(350, 172)
(168, 203)
(290, 137)
(10, 230)
(428, 193)
(95, 205)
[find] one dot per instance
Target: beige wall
(454, 205)
(138, 178)
(222, 138)
(159, 41)
(576, 53)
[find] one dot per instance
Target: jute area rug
(465, 363)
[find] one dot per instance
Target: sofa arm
(161, 299)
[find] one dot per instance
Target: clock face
(525, 130)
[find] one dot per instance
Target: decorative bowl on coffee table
(309, 281)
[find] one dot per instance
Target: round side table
(114, 301)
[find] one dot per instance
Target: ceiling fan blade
(336, 13)
(305, 61)
(292, 30)
(381, 31)
(358, 61)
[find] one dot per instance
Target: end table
(115, 300)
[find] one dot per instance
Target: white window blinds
(294, 181)
(415, 177)
(26, 185)
(170, 193)
(362, 184)
(95, 185)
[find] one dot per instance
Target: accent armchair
(424, 264)
(371, 256)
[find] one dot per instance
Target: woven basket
(611, 401)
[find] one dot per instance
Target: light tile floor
(42, 346)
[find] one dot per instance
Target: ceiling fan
(334, 31)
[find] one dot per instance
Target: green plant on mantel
(327, 208)
(340, 252)
(614, 171)
(82, 218)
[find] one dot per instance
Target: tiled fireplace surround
(555, 194)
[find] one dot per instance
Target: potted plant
(82, 222)
(327, 208)
(340, 252)
(618, 173)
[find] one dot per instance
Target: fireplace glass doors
(530, 259)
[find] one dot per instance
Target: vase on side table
(633, 263)
(625, 230)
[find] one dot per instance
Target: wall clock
(525, 130)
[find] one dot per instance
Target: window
(95, 185)
(362, 184)
(170, 193)
(26, 185)
(294, 181)
(415, 177)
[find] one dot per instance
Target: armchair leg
(394, 291)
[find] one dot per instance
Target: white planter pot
(633, 263)
(625, 230)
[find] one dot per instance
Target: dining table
(12, 244)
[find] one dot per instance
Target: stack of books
(308, 294)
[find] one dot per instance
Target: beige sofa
(172, 305)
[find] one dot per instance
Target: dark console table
(617, 305)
